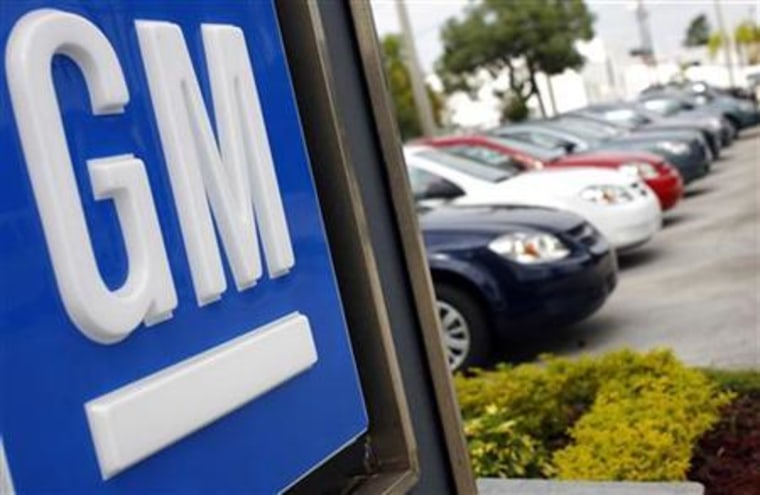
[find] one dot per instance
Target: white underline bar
(146, 416)
(6, 481)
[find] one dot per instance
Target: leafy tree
(698, 32)
(747, 39)
(714, 44)
(400, 84)
(521, 37)
(514, 109)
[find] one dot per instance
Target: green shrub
(500, 450)
(643, 425)
(639, 417)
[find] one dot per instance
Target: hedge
(622, 416)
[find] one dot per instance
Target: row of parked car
(523, 224)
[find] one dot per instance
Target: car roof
(613, 105)
(538, 124)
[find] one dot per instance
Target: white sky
(615, 22)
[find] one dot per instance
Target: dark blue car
(503, 271)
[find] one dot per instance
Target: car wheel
(735, 127)
(464, 328)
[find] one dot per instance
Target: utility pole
(550, 88)
(419, 90)
(610, 70)
(645, 37)
(726, 43)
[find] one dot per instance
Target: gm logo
(234, 182)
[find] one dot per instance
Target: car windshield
(663, 106)
(487, 156)
(581, 132)
(625, 116)
(539, 152)
(485, 171)
(589, 126)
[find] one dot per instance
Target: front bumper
(635, 234)
(626, 225)
(668, 188)
(747, 118)
(564, 293)
(693, 165)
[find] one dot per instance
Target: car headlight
(714, 124)
(529, 248)
(641, 170)
(675, 147)
(608, 195)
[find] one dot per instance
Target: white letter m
(236, 178)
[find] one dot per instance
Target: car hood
(654, 136)
(698, 116)
(690, 120)
(550, 187)
(559, 184)
(609, 158)
(496, 219)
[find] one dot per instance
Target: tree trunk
(740, 53)
(535, 91)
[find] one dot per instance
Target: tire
(734, 124)
(465, 331)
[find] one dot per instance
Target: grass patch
(738, 381)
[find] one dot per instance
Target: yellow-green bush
(500, 450)
(639, 417)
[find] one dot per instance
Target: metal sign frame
(415, 441)
(402, 451)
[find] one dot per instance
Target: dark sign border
(333, 55)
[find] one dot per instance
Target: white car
(622, 207)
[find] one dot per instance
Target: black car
(638, 118)
(742, 113)
(674, 111)
(685, 150)
(504, 272)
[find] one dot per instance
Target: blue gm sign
(169, 316)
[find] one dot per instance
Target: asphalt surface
(695, 287)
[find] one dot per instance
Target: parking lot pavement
(696, 287)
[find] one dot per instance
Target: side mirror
(442, 190)
(569, 148)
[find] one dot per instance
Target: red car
(662, 177)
